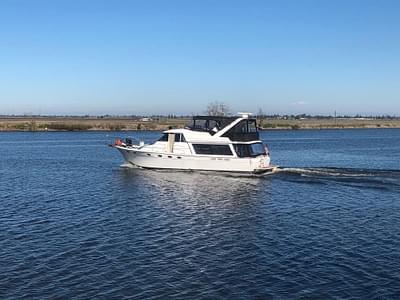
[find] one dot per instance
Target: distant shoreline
(33, 124)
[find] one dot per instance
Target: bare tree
(217, 108)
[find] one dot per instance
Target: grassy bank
(118, 124)
(329, 123)
(86, 124)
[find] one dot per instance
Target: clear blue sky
(148, 57)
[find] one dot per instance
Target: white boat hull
(162, 160)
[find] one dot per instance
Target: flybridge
(242, 128)
(211, 124)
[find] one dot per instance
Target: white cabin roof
(198, 136)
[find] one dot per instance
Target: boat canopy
(210, 123)
(244, 131)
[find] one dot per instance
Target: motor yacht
(209, 143)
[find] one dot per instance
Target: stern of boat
(262, 164)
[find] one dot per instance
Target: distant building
(145, 119)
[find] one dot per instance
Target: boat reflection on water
(191, 190)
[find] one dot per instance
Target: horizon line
(304, 115)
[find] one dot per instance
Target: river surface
(74, 224)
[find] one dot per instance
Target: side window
(242, 150)
(212, 149)
(199, 124)
(244, 131)
(164, 138)
(221, 150)
(245, 126)
(252, 126)
(241, 127)
(202, 149)
(252, 150)
(179, 137)
(257, 149)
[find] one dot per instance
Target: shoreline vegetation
(159, 123)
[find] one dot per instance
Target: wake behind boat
(210, 143)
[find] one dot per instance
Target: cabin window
(251, 126)
(179, 137)
(249, 150)
(242, 150)
(257, 149)
(241, 127)
(245, 126)
(213, 126)
(199, 124)
(212, 149)
(164, 138)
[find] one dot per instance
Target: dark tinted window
(242, 150)
(257, 149)
(245, 130)
(212, 149)
(252, 150)
(241, 127)
(207, 123)
(199, 124)
(164, 138)
(251, 126)
(178, 137)
(245, 126)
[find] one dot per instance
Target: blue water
(74, 224)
